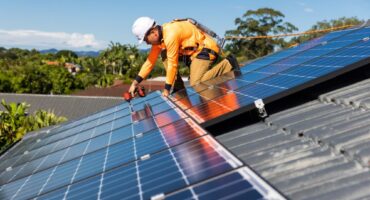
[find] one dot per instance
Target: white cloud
(42, 39)
(305, 7)
(309, 10)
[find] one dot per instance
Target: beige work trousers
(201, 70)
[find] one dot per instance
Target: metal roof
(72, 107)
(318, 150)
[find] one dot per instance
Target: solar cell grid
(237, 184)
(54, 136)
(282, 77)
(160, 173)
(102, 141)
(80, 158)
(269, 59)
(315, 52)
(121, 157)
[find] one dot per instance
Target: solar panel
(276, 77)
(269, 59)
(237, 184)
(144, 150)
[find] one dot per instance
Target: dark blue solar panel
(162, 172)
(57, 140)
(147, 143)
(315, 52)
(233, 185)
(267, 60)
(271, 81)
(108, 148)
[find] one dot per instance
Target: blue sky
(92, 24)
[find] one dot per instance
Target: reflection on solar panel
(149, 149)
(276, 76)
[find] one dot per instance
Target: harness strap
(210, 51)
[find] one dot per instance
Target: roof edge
(61, 96)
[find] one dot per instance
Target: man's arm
(146, 68)
(149, 63)
(172, 43)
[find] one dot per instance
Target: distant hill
(144, 50)
(53, 51)
(84, 53)
(79, 53)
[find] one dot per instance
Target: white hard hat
(141, 26)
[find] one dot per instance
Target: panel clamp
(160, 196)
(261, 108)
(145, 157)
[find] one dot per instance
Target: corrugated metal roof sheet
(72, 107)
(318, 150)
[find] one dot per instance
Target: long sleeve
(172, 43)
(149, 63)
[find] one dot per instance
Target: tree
(5, 83)
(36, 81)
(122, 61)
(43, 118)
(62, 81)
(325, 24)
(66, 53)
(66, 56)
(261, 22)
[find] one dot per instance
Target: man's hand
(165, 93)
(133, 86)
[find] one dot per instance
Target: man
(179, 40)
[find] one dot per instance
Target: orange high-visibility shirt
(178, 37)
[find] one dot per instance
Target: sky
(93, 24)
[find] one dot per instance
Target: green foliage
(61, 80)
(260, 22)
(15, 122)
(105, 80)
(84, 79)
(325, 24)
(35, 80)
(5, 82)
(11, 122)
(42, 118)
(121, 59)
(66, 56)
